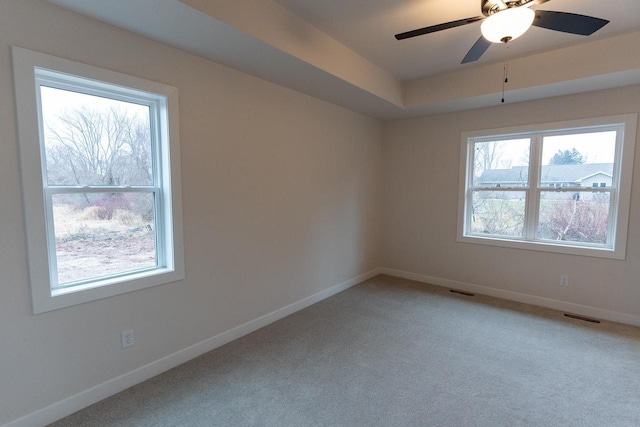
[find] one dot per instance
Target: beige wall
(420, 175)
(281, 201)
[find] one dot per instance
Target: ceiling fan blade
(568, 22)
(439, 27)
(476, 51)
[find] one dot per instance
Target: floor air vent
(469, 294)
(586, 319)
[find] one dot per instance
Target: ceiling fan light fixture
(507, 25)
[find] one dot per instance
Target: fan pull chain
(505, 70)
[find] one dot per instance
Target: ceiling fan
(506, 20)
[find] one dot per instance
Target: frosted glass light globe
(507, 25)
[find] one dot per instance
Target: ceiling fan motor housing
(489, 7)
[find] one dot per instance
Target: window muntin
(116, 197)
(101, 181)
(563, 192)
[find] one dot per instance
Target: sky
(596, 147)
(55, 101)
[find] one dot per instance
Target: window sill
(66, 297)
(542, 246)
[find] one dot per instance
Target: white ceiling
(368, 27)
(343, 51)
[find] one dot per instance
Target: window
(558, 187)
(100, 169)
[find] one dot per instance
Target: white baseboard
(95, 394)
(584, 310)
(99, 392)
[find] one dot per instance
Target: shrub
(90, 213)
(127, 218)
(110, 204)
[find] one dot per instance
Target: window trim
(28, 66)
(624, 157)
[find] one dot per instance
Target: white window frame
(32, 69)
(620, 189)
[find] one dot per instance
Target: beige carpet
(391, 352)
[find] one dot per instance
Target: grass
(89, 245)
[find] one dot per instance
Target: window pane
(574, 216)
(499, 213)
(103, 234)
(91, 140)
(501, 163)
(578, 160)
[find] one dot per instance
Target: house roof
(550, 173)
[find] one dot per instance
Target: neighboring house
(581, 175)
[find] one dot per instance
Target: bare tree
(98, 147)
(576, 219)
(110, 147)
(497, 213)
(487, 156)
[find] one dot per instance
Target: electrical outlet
(127, 338)
(564, 280)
